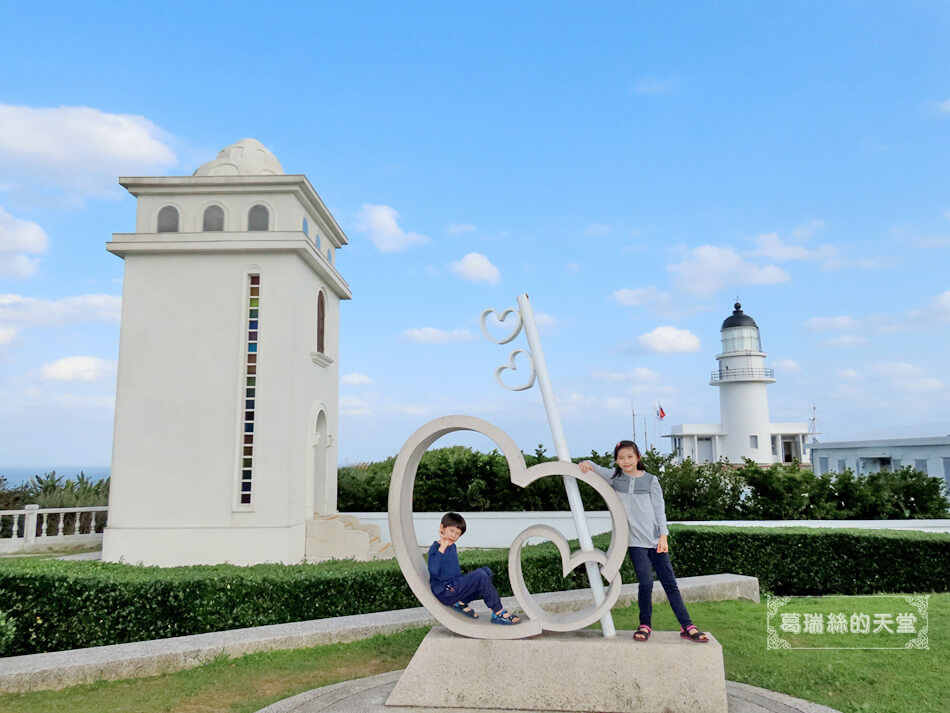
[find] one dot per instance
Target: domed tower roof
(738, 319)
(248, 157)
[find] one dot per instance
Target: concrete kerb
(61, 669)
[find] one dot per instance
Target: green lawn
(852, 681)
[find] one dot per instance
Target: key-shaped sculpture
(598, 563)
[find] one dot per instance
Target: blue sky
(633, 167)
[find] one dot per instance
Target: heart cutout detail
(513, 367)
(501, 319)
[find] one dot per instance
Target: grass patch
(852, 681)
(241, 685)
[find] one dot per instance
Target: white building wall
(863, 457)
(178, 431)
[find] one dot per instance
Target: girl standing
(642, 499)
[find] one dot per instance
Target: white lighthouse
(745, 430)
(224, 447)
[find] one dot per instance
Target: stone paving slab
(368, 695)
(61, 669)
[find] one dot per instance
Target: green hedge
(59, 605)
(459, 478)
(804, 561)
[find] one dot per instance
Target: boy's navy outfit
(449, 585)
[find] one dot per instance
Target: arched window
(168, 219)
(306, 227)
(258, 218)
(214, 219)
(321, 322)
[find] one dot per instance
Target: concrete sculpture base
(573, 671)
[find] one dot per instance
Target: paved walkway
(60, 669)
(368, 695)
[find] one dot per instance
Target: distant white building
(928, 455)
(745, 430)
(227, 391)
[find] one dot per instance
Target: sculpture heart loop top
(501, 318)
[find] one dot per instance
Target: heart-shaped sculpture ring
(501, 320)
(413, 566)
(511, 365)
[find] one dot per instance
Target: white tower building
(228, 377)
(745, 430)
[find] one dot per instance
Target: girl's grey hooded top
(642, 499)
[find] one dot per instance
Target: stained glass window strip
(250, 387)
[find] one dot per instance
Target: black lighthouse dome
(738, 319)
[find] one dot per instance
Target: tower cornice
(297, 184)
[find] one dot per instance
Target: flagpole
(633, 416)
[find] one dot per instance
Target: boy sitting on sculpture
(455, 589)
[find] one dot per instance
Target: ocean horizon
(17, 474)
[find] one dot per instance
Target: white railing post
(29, 523)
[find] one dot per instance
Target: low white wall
(499, 529)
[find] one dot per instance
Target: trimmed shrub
(458, 478)
(806, 561)
(7, 633)
(59, 605)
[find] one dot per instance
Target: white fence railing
(36, 528)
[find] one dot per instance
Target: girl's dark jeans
(645, 560)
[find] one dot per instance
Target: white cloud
(667, 340)
(595, 229)
(849, 374)
(78, 368)
(906, 377)
(944, 106)
(829, 257)
(69, 310)
(431, 335)
(355, 379)
(78, 148)
(709, 269)
(806, 230)
(819, 324)
(639, 296)
(475, 267)
(787, 365)
(18, 240)
(940, 306)
(379, 222)
(654, 86)
(7, 335)
(640, 375)
(770, 246)
(459, 228)
(846, 341)
(544, 321)
(411, 410)
(353, 406)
